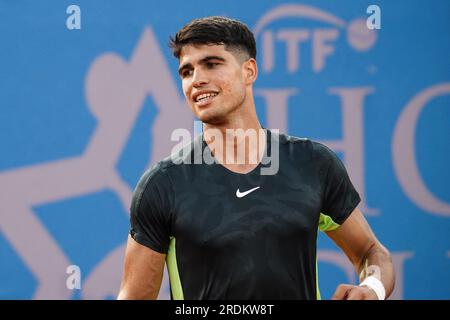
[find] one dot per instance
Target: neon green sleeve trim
(326, 223)
(174, 276)
(318, 297)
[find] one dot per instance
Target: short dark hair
(233, 34)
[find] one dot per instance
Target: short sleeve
(340, 197)
(150, 210)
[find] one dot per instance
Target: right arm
(143, 272)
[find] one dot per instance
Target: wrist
(376, 285)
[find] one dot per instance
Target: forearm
(143, 272)
(378, 263)
(370, 258)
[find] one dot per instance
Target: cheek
(227, 87)
(231, 84)
(185, 88)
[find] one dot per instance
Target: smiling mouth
(205, 98)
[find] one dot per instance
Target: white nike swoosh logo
(243, 194)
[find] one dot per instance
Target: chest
(220, 210)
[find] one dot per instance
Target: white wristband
(376, 285)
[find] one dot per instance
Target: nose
(199, 78)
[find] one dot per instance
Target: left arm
(368, 256)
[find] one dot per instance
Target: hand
(350, 292)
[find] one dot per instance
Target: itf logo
(285, 34)
(321, 40)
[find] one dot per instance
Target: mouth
(204, 98)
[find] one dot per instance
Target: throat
(238, 151)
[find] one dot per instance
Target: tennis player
(244, 226)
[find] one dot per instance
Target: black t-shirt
(242, 236)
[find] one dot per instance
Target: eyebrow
(201, 61)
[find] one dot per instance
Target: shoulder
(158, 175)
(152, 179)
(151, 175)
(322, 152)
(284, 138)
(153, 189)
(176, 159)
(292, 143)
(315, 150)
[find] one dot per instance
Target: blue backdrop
(84, 112)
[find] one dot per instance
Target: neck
(239, 142)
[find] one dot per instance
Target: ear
(250, 71)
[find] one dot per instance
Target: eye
(186, 73)
(211, 65)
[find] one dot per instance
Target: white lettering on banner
(404, 152)
(322, 47)
(293, 39)
(339, 259)
(268, 54)
(359, 37)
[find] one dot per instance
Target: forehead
(192, 53)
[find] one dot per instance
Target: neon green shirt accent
(317, 283)
(326, 223)
(174, 276)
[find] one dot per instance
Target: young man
(226, 230)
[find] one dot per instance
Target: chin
(211, 117)
(216, 114)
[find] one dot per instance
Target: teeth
(205, 95)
